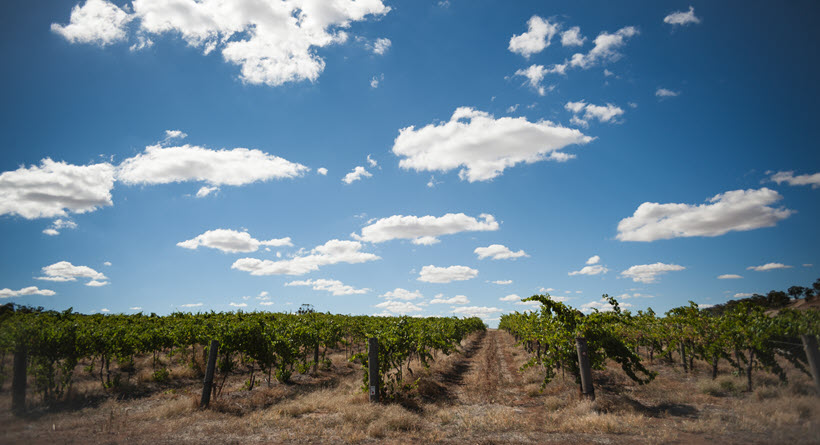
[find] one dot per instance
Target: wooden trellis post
(373, 368)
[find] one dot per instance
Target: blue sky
(171, 154)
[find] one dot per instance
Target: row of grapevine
(746, 336)
(273, 345)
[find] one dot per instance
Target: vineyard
(738, 373)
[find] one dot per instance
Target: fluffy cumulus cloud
(458, 299)
(189, 305)
(590, 270)
(511, 297)
(322, 171)
(584, 112)
(96, 21)
(593, 260)
(729, 276)
(398, 307)
(272, 42)
(424, 230)
(502, 282)
(335, 287)
(648, 273)
(433, 274)
(59, 224)
(789, 178)
(402, 294)
(538, 36)
(380, 46)
(65, 271)
(231, 241)
(239, 166)
(742, 295)
(664, 92)
(357, 174)
(606, 48)
(498, 252)
(55, 188)
(31, 290)
(737, 210)
(332, 252)
(476, 311)
(572, 37)
(481, 145)
(535, 74)
(768, 266)
(205, 191)
(681, 18)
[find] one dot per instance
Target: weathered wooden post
(587, 390)
(373, 368)
(813, 357)
(209, 375)
(18, 382)
(316, 358)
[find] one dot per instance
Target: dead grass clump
(584, 417)
(393, 419)
(488, 418)
(722, 386)
(787, 411)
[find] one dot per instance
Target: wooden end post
(209, 375)
(813, 357)
(587, 389)
(373, 368)
(18, 383)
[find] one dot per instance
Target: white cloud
(433, 274)
(648, 273)
(590, 270)
(402, 294)
(538, 36)
(55, 188)
(372, 162)
(729, 276)
(398, 307)
(498, 252)
(511, 297)
(231, 241)
(476, 311)
(374, 81)
(768, 266)
(605, 49)
(742, 295)
(272, 42)
(59, 224)
(105, 310)
(681, 18)
(175, 134)
(335, 287)
(663, 92)
(528, 303)
(512, 108)
(502, 282)
(238, 304)
(635, 295)
(239, 166)
(705, 305)
(608, 73)
(266, 303)
(96, 21)
(482, 145)
(593, 260)
(357, 174)
(107, 263)
(135, 308)
(808, 264)
(572, 37)
(789, 178)
(205, 191)
(737, 210)
(381, 45)
(31, 290)
(423, 230)
(332, 252)
(322, 171)
(191, 305)
(97, 283)
(142, 43)
(535, 75)
(545, 290)
(601, 113)
(65, 271)
(458, 299)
